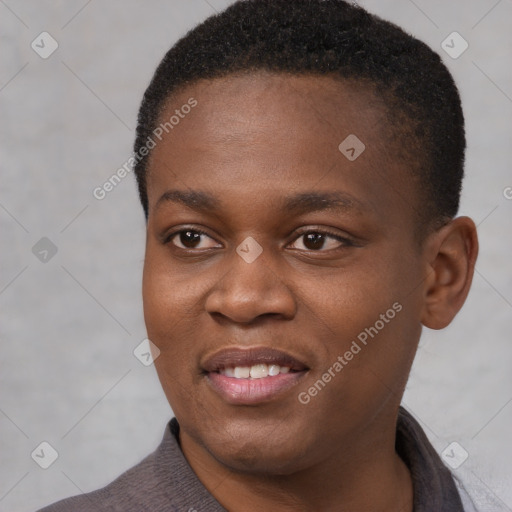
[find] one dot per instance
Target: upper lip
(231, 357)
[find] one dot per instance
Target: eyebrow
(304, 202)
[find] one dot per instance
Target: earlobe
(451, 263)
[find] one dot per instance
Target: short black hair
(333, 38)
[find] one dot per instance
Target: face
(281, 275)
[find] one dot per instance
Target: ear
(451, 256)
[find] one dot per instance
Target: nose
(248, 291)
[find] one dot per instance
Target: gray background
(70, 324)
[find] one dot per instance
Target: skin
(251, 141)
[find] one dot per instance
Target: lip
(231, 357)
(252, 391)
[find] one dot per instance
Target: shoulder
(136, 489)
(125, 493)
(162, 482)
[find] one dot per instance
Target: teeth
(274, 369)
(242, 372)
(229, 372)
(257, 371)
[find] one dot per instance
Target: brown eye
(314, 241)
(191, 239)
(318, 240)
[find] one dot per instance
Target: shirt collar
(434, 487)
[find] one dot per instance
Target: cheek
(173, 310)
(165, 311)
(168, 297)
(166, 307)
(371, 321)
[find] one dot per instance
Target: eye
(191, 239)
(321, 240)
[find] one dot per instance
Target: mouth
(252, 376)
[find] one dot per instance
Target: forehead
(270, 133)
(237, 104)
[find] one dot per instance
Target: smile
(252, 376)
(257, 371)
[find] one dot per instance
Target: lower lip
(253, 391)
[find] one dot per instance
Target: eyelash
(346, 242)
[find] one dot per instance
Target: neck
(368, 475)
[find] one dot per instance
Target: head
(299, 165)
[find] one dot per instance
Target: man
(299, 165)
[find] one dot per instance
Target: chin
(258, 449)
(257, 459)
